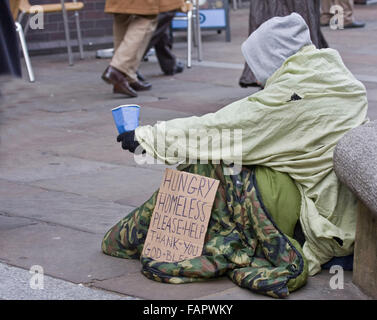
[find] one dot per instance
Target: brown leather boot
(119, 80)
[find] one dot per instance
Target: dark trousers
(162, 41)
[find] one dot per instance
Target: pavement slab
(137, 285)
(118, 181)
(15, 284)
(63, 253)
(51, 168)
(103, 149)
(86, 214)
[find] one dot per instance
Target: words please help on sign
(180, 217)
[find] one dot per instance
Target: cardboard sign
(180, 218)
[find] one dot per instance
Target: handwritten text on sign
(180, 218)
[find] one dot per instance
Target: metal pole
(67, 35)
(79, 37)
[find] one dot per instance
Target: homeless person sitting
(287, 182)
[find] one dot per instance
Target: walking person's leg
(131, 37)
(166, 58)
(349, 17)
(162, 41)
(112, 75)
(120, 25)
(348, 6)
(128, 55)
(348, 13)
(163, 21)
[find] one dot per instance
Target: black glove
(128, 141)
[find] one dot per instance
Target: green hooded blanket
(291, 126)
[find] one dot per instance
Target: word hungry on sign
(180, 217)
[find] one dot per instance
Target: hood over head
(273, 42)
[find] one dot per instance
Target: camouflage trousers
(242, 241)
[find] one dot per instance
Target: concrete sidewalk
(19, 284)
(64, 181)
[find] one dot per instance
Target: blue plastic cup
(126, 117)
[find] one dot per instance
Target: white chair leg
(234, 4)
(25, 52)
(189, 37)
(79, 38)
(67, 35)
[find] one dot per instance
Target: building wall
(96, 26)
